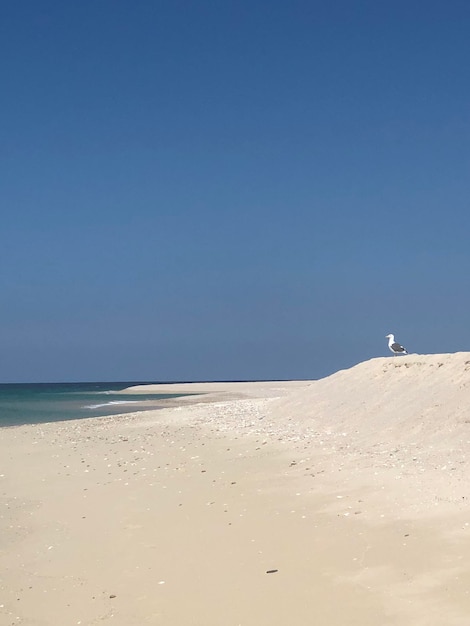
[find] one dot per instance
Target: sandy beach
(338, 502)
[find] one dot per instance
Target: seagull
(395, 347)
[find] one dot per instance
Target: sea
(36, 403)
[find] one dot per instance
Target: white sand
(354, 488)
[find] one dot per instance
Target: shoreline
(176, 516)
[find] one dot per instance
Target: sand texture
(338, 502)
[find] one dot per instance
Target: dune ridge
(414, 396)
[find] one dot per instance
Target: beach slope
(342, 501)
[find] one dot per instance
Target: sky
(231, 190)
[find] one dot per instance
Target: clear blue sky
(231, 189)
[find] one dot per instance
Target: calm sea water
(44, 402)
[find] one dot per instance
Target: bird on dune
(395, 347)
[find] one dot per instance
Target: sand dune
(410, 397)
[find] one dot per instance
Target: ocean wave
(112, 402)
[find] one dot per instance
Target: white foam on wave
(112, 402)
